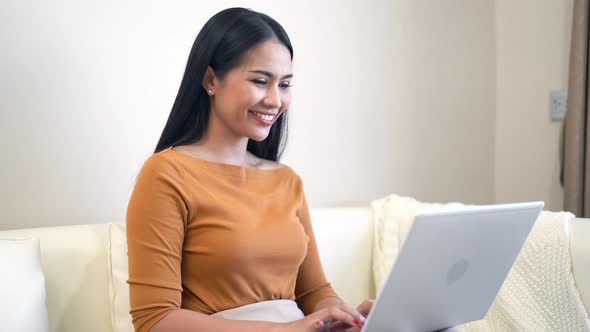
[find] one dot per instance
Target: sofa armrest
(580, 254)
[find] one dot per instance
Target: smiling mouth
(265, 117)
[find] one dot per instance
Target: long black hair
(221, 44)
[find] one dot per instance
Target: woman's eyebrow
(269, 74)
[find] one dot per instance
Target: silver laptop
(451, 267)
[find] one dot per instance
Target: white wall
(390, 96)
(533, 41)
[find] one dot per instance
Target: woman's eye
(285, 85)
(259, 82)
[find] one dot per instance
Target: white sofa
(84, 266)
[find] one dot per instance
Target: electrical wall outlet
(558, 104)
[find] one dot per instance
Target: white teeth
(264, 116)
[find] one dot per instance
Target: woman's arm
(312, 290)
(327, 302)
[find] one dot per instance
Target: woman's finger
(366, 306)
(337, 317)
(340, 326)
(348, 315)
(334, 314)
(358, 316)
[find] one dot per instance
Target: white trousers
(278, 311)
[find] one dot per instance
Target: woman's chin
(258, 134)
(258, 138)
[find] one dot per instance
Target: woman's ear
(209, 81)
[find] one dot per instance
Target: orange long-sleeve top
(208, 236)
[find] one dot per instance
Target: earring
(210, 92)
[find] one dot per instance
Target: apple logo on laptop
(457, 271)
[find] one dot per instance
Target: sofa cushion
(22, 286)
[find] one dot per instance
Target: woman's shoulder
(266, 164)
(161, 163)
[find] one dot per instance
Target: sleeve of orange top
(156, 220)
(311, 285)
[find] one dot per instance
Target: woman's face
(252, 96)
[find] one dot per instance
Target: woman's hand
(337, 317)
(364, 308)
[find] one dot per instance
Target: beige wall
(390, 96)
(444, 148)
(408, 110)
(532, 51)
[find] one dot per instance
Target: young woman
(219, 234)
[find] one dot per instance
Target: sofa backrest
(345, 243)
(81, 262)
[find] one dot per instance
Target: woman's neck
(222, 151)
(220, 144)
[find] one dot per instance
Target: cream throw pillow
(22, 286)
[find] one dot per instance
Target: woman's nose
(273, 99)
